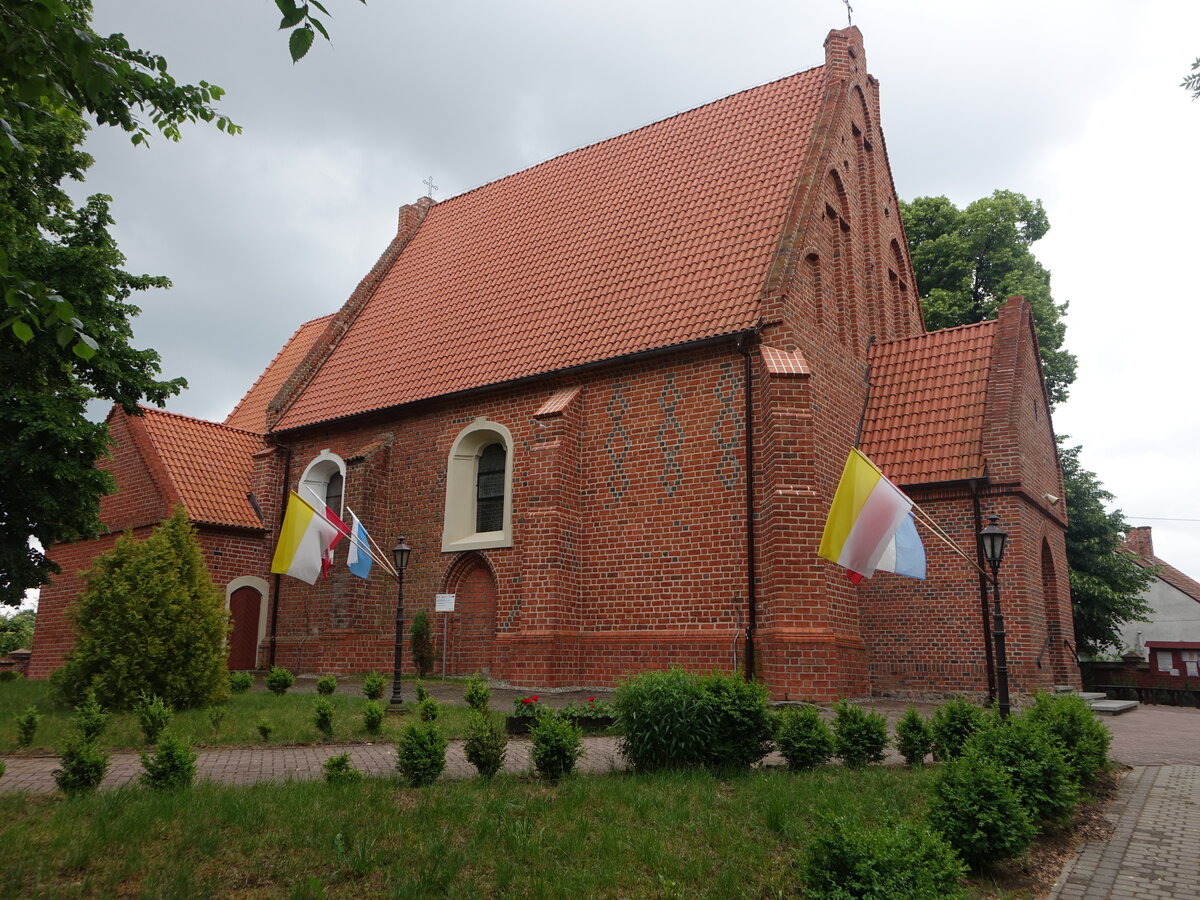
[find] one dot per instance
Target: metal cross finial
(430, 187)
(849, 12)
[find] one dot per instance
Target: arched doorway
(245, 606)
(473, 623)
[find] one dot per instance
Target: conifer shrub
(373, 717)
(421, 753)
(486, 744)
(172, 766)
(477, 693)
(264, 729)
(323, 716)
(976, 810)
(914, 737)
(90, 717)
(339, 770)
(421, 642)
(373, 685)
(860, 736)
(326, 685)
(952, 724)
(153, 715)
(803, 738)
(279, 680)
(82, 768)
(1081, 735)
(240, 682)
(556, 745)
(1035, 764)
(150, 621)
(893, 861)
(428, 709)
(419, 690)
(27, 725)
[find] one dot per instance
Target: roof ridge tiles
(177, 415)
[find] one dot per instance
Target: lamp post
(400, 556)
(994, 538)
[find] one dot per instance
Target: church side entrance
(473, 623)
(244, 606)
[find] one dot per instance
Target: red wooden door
(244, 607)
(474, 622)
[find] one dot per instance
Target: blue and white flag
(357, 559)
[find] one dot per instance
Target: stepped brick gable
(607, 401)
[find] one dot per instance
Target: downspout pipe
(743, 346)
(983, 594)
(283, 499)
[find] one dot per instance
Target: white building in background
(1170, 641)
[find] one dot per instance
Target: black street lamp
(993, 538)
(400, 556)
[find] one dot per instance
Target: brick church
(607, 401)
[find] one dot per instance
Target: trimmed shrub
(486, 744)
(1035, 764)
(428, 709)
(326, 685)
(240, 682)
(279, 680)
(859, 736)
(952, 724)
(27, 725)
(373, 685)
(339, 770)
(740, 725)
(421, 753)
(172, 767)
(976, 809)
(556, 745)
(1081, 735)
(894, 861)
(90, 717)
(421, 642)
(150, 621)
(373, 717)
(660, 714)
(83, 768)
(323, 716)
(153, 715)
(803, 738)
(264, 729)
(914, 737)
(477, 693)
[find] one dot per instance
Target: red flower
(591, 699)
(527, 700)
(534, 698)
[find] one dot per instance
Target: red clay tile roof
(924, 421)
(652, 239)
(784, 364)
(251, 412)
(209, 465)
(1166, 571)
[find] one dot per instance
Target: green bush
(240, 682)
(477, 693)
(421, 641)
(373, 717)
(27, 725)
(339, 770)
(279, 680)
(419, 690)
(846, 861)
(323, 716)
(153, 715)
(803, 738)
(3, 768)
(264, 729)
(859, 736)
(740, 725)
(486, 744)
(421, 753)
(326, 685)
(16, 633)
(90, 717)
(150, 621)
(428, 709)
(216, 715)
(914, 737)
(83, 768)
(1035, 764)
(952, 724)
(172, 766)
(10, 675)
(557, 744)
(976, 809)
(1081, 735)
(373, 685)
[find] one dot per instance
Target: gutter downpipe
(743, 342)
(983, 595)
(283, 498)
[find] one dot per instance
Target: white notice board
(443, 603)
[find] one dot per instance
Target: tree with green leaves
(968, 261)
(303, 23)
(16, 631)
(1106, 582)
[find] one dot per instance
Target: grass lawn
(679, 835)
(290, 716)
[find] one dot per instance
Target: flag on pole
(342, 530)
(305, 541)
(356, 557)
(866, 515)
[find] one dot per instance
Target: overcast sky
(1076, 103)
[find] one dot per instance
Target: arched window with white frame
(324, 481)
(479, 488)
